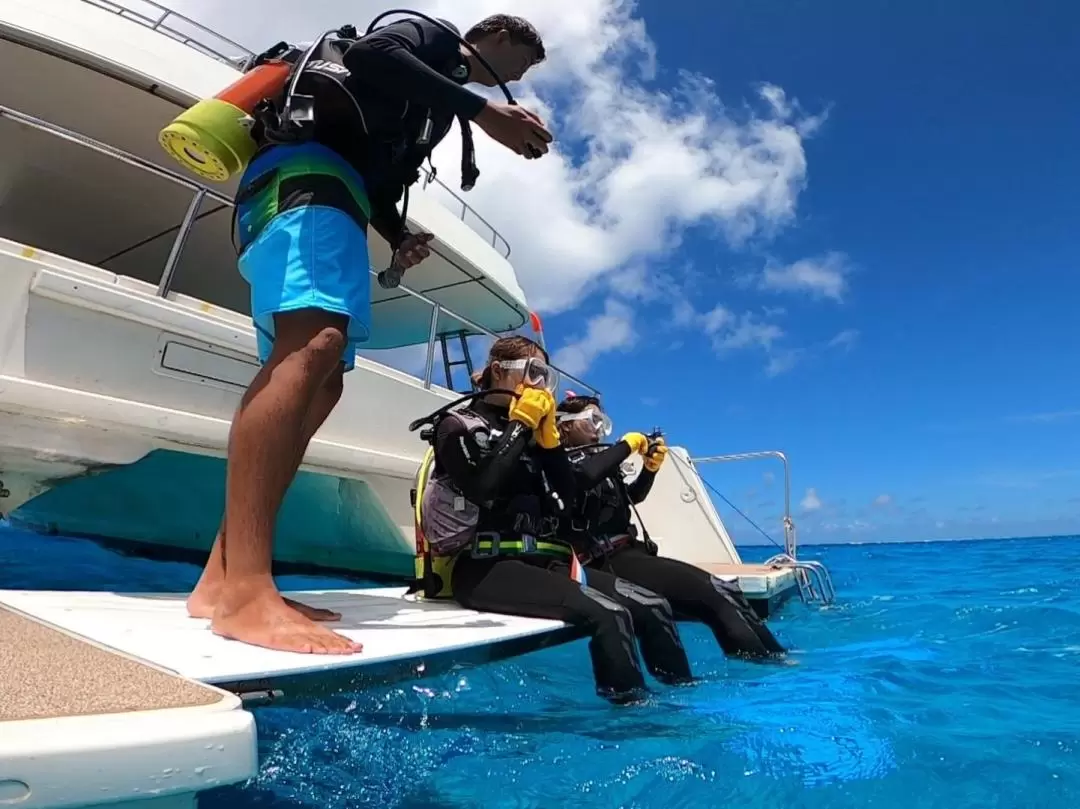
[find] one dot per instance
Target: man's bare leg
(204, 597)
(266, 436)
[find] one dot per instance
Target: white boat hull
(120, 402)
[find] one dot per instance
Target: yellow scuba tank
(213, 138)
(432, 572)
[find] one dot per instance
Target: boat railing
(201, 193)
(815, 583)
(494, 238)
(157, 17)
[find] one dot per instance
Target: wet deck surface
(45, 673)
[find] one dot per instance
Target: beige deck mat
(45, 672)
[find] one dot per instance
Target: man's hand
(515, 128)
(413, 250)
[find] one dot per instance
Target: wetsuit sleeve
(640, 488)
(478, 474)
(560, 476)
(387, 221)
(595, 468)
(399, 57)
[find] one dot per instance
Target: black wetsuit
(522, 489)
(603, 532)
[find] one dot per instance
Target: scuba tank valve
(213, 138)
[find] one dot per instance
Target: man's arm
(386, 220)
(396, 60)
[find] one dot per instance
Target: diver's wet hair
(521, 32)
(578, 404)
(514, 347)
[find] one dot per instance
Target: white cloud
(882, 500)
(845, 339)
(729, 332)
(610, 331)
(823, 277)
(811, 501)
(782, 362)
(649, 164)
(768, 478)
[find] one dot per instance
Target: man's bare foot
(262, 618)
(204, 598)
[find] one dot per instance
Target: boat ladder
(815, 583)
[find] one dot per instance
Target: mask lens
(601, 422)
(541, 375)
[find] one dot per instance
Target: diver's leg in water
(514, 587)
(654, 623)
(700, 595)
(204, 597)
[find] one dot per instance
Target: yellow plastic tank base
(211, 139)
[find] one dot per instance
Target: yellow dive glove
(655, 459)
(548, 435)
(637, 441)
(531, 405)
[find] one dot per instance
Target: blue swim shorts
(302, 214)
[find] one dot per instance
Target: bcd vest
(320, 93)
(603, 509)
(448, 524)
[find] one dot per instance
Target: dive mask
(535, 373)
(597, 418)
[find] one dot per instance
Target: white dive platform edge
(85, 725)
(127, 701)
(403, 637)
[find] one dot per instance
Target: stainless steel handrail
(110, 151)
(812, 577)
(789, 523)
(497, 240)
(124, 9)
(158, 23)
(201, 192)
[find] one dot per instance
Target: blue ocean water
(944, 676)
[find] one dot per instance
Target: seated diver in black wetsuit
(606, 538)
(488, 511)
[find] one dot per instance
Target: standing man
(303, 214)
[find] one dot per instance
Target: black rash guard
(483, 474)
(412, 62)
(401, 74)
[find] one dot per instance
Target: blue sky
(942, 184)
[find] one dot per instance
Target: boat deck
(402, 638)
(765, 586)
(46, 673)
(83, 724)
